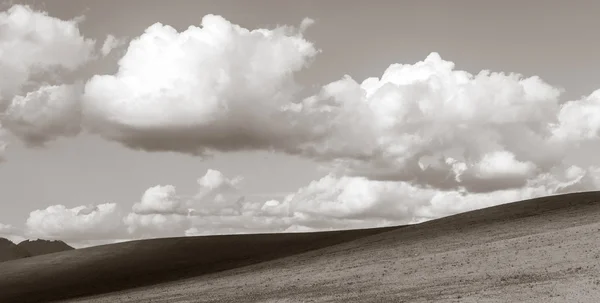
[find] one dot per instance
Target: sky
(137, 119)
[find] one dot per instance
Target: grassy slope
(541, 250)
(125, 265)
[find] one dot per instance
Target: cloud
(355, 199)
(579, 120)
(110, 43)
(217, 87)
(156, 225)
(332, 202)
(421, 141)
(37, 51)
(306, 23)
(432, 125)
(32, 42)
(6, 229)
(81, 223)
(426, 123)
(163, 212)
(161, 199)
(45, 114)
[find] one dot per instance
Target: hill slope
(541, 250)
(11, 251)
(124, 265)
(41, 247)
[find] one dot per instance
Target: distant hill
(42, 247)
(11, 251)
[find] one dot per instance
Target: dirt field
(543, 250)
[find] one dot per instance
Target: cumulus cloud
(579, 120)
(421, 141)
(161, 199)
(342, 202)
(425, 123)
(164, 212)
(81, 223)
(161, 212)
(49, 112)
(356, 199)
(34, 45)
(430, 124)
(330, 203)
(33, 42)
(214, 87)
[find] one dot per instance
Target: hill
(125, 265)
(11, 251)
(539, 250)
(41, 247)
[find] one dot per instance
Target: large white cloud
(214, 87)
(425, 123)
(75, 224)
(433, 125)
(35, 51)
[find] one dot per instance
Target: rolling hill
(539, 250)
(129, 264)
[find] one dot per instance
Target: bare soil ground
(541, 250)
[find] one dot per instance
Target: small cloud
(110, 43)
(306, 23)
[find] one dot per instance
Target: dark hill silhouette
(125, 265)
(11, 251)
(28, 248)
(514, 252)
(41, 247)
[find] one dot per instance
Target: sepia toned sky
(214, 129)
